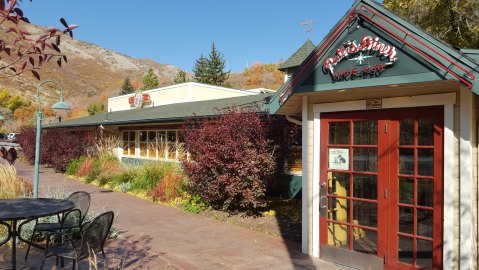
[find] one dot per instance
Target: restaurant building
(149, 122)
(389, 145)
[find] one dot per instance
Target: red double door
(381, 176)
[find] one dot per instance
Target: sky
(177, 32)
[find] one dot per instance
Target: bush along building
(389, 145)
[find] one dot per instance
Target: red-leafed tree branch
(22, 51)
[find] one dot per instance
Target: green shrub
(119, 179)
(109, 168)
(74, 165)
(194, 205)
(125, 187)
(149, 175)
(124, 177)
(104, 179)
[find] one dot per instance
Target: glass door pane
(415, 192)
(352, 214)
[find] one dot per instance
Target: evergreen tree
(216, 68)
(150, 80)
(96, 108)
(201, 70)
(180, 77)
(211, 70)
(127, 87)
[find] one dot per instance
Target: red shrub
(169, 187)
(85, 168)
(58, 146)
(231, 159)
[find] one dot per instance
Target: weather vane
(308, 26)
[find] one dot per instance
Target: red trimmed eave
(460, 78)
(320, 51)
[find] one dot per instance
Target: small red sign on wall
(139, 99)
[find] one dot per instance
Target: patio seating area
(161, 237)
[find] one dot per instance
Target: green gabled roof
(168, 113)
(422, 57)
(298, 57)
(472, 53)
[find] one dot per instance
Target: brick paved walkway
(162, 237)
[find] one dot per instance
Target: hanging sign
(338, 159)
(359, 53)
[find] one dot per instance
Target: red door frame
(387, 207)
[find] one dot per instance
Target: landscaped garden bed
(234, 173)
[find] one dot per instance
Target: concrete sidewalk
(162, 237)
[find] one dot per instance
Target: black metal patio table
(28, 209)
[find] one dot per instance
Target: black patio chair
(70, 221)
(92, 241)
(9, 231)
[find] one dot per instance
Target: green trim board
(414, 78)
(383, 46)
(295, 185)
(168, 113)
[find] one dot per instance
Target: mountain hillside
(92, 73)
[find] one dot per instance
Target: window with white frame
(129, 143)
(154, 144)
(143, 142)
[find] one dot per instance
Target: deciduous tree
(4, 97)
(263, 75)
(456, 22)
(254, 75)
(27, 115)
(23, 51)
(17, 102)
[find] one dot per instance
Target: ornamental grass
(169, 188)
(12, 185)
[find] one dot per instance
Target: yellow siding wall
(185, 92)
(207, 93)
